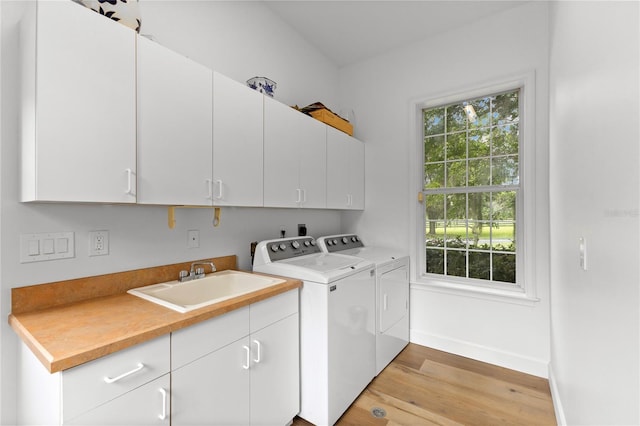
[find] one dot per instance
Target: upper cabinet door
(345, 171)
(79, 117)
(237, 143)
(294, 158)
(174, 128)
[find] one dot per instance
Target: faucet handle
(200, 272)
(183, 275)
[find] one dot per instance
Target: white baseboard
(555, 396)
(513, 361)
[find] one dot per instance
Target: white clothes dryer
(337, 322)
(392, 292)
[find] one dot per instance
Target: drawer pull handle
(163, 416)
(123, 375)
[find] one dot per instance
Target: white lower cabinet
(239, 369)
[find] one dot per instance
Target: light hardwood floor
(424, 386)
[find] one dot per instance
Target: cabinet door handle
(385, 302)
(299, 195)
(258, 357)
(209, 183)
(130, 175)
(220, 188)
(248, 357)
(163, 392)
(139, 367)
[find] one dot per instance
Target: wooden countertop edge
(80, 356)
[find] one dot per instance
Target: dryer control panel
(337, 243)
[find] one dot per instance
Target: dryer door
(394, 294)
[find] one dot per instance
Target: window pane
(434, 175)
(456, 208)
(456, 174)
(434, 149)
(504, 171)
(479, 142)
(479, 265)
(504, 267)
(505, 108)
(480, 206)
(435, 261)
(433, 121)
(434, 207)
(456, 118)
(457, 146)
(456, 263)
(503, 236)
(479, 172)
(503, 206)
(479, 235)
(482, 109)
(505, 139)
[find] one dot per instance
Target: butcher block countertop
(68, 323)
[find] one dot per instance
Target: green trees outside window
(471, 187)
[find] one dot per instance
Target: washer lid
(318, 267)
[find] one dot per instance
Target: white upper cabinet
(174, 128)
(295, 158)
(237, 143)
(345, 171)
(78, 106)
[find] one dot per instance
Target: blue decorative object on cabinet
(262, 85)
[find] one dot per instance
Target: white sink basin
(214, 288)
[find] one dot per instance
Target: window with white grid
(471, 189)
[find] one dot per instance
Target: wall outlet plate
(98, 243)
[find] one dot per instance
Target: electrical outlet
(98, 243)
(193, 238)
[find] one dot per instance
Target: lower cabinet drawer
(147, 405)
(89, 385)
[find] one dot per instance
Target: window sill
(494, 294)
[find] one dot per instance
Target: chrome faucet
(195, 272)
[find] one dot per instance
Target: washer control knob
(335, 241)
(295, 245)
(345, 240)
(354, 239)
(283, 246)
(274, 247)
(313, 242)
(307, 243)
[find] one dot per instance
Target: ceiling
(351, 31)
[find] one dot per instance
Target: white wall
(381, 92)
(594, 137)
(240, 39)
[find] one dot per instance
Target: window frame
(523, 291)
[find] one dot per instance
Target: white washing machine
(392, 292)
(337, 322)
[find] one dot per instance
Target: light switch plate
(46, 246)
